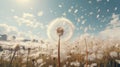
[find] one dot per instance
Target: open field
(101, 53)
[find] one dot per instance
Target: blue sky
(26, 18)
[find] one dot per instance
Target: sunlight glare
(23, 1)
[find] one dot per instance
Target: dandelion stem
(59, 52)
(28, 56)
(86, 54)
(12, 58)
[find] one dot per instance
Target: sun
(23, 1)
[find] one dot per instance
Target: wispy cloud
(29, 20)
(13, 31)
(40, 13)
(6, 29)
(113, 28)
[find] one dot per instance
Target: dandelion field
(44, 54)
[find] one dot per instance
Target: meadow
(101, 53)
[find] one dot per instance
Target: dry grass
(48, 60)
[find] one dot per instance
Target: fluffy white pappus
(34, 55)
(63, 54)
(24, 60)
(87, 65)
(117, 46)
(118, 61)
(73, 51)
(50, 65)
(16, 47)
(39, 61)
(93, 65)
(95, 48)
(76, 64)
(113, 54)
(42, 64)
(99, 56)
(7, 58)
(43, 46)
(91, 57)
(64, 65)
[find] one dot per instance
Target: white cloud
(115, 20)
(13, 31)
(28, 20)
(26, 35)
(12, 10)
(28, 15)
(113, 28)
(6, 29)
(29, 35)
(40, 13)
